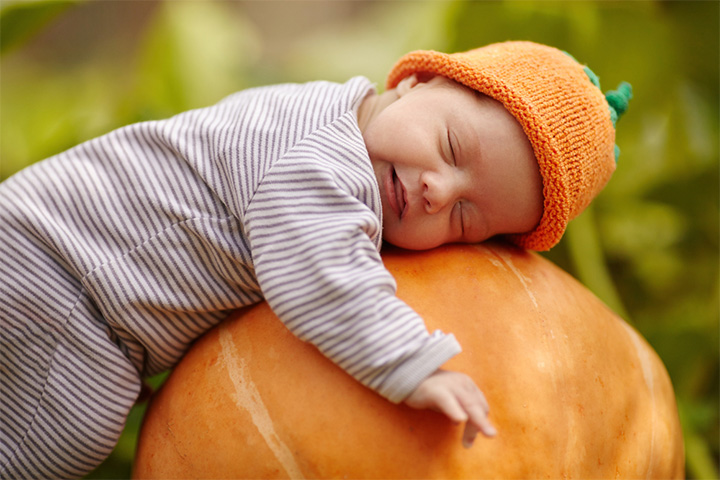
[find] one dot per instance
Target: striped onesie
(117, 254)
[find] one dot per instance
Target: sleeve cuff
(406, 378)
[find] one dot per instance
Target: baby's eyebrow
(468, 136)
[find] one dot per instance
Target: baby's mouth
(400, 194)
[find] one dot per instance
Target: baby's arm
(455, 395)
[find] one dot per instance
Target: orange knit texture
(563, 114)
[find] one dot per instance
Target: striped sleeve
(320, 270)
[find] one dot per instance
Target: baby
(120, 252)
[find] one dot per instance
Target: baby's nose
(437, 192)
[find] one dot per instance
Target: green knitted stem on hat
(618, 100)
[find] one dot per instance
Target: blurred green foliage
(70, 71)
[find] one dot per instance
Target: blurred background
(72, 70)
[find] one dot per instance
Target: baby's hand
(456, 395)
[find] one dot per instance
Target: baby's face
(452, 166)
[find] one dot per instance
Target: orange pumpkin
(573, 390)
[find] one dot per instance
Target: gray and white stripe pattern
(117, 254)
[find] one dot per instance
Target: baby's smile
(396, 193)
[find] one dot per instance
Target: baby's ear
(408, 83)
(424, 77)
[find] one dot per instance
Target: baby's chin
(409, 243)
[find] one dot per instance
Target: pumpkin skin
(574, 392)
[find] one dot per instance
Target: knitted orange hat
(560, 107)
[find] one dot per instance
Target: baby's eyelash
(460, 213)
(452, 150)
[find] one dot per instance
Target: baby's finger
(451, 408)
(469, 435)
(475, 398)
(478, 419)
(486, 427)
